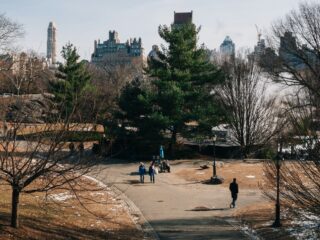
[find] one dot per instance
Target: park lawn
(61, 216)
(249, 174)
(258, 218)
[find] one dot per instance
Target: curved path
(177, 209)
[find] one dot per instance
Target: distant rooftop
(182, 17)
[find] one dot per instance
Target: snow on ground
(249, 232)
(61, 197)
(306, 227)
(100, 184)
(250, 176)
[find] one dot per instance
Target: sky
(82, 21)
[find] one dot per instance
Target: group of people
(159, 160)
(142, 172)
(165, 166)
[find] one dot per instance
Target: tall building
(182, 18)
(113, 52)
(51, 43)
(227, 49)
(259, 50)
(179, 19)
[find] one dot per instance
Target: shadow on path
(204, 228)
(199, 209)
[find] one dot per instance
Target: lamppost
(214, 139)
(278, 159)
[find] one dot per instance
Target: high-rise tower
(51, 43)
(227, 47)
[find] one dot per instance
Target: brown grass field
(59, 215)
(249, 174)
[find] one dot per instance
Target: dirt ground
(102, 215)
(249, 174)
(256, 219)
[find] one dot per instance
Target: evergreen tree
(183, 80)
(72, 80)
(180, 90)
(136, 114)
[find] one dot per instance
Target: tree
(182, 80)
(251, 114)
(24, 73)
(73, 80)
(136, 115)
(298, 38)
(9, 32)
(300, 191)
(33, 157)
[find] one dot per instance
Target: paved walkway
(177, 209)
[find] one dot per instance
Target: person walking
(142, 171)
(152, 172)
(234, 189)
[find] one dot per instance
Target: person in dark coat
(142, 171)
(234, 189)
(152, 172)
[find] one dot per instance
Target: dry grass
(106, 216)
(259, 216)
(248, 174)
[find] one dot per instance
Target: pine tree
(137, 114)
(183, 80)
(72, 80)
(180, 91)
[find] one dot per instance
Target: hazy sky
(83, 21)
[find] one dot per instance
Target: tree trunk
(15, 207)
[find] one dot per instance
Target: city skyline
(81, 22)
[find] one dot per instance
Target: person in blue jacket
(142, 171)
(161, 153)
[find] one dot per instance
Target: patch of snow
(251, 233)
(305, 227)
(250, 176)
(200, 173)
(61, 197)
(99, 183)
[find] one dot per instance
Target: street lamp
(214, 139)
(278, 159)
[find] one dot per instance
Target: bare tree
(9, 32)
(108, 79)
(32, 153)
(24, 73)
(119, 74)
(35, 153)
(300, 177)
(250, 111)
(296, 38)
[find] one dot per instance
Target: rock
(30, 109)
